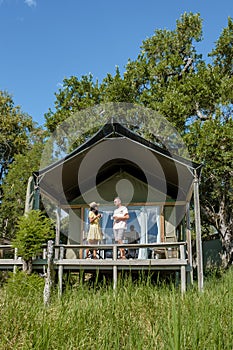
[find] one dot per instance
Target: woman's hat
(93, 204)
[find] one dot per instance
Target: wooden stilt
(49, 275)
(114, 268)
(58, 229)
(15, 258)
(182, 271)
(189, 245)
(60, 272)
(198, 233)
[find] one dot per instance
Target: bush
(33, 229)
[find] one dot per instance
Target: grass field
(139, 315)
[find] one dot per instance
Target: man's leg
(118, 235)
(120, 240)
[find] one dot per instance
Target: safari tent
(156, 185)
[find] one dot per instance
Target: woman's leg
(94, 242)
(95, 251)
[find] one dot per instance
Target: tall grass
(138, 316)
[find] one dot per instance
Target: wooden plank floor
(130, 264)
(172, 264)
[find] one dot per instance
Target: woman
(94, 234)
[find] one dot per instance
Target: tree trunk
(223, 223)
(226, 233)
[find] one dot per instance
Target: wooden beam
(82, 231)
(114, 267)
(162, 235)
(15, 258)
(189, 243)
(60, 271)
(182, 271)
(58, 229)
(198, 233)
(49, 275)
(78, 206)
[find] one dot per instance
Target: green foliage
(20, 140)
(14, 187)
(170, 76)
(33, 230)
(75, 95)
(223, 52)
(137, 316)
(29, 285)
(16, 130)
(166, 62)
(211, 142)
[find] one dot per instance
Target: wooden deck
(159, 262)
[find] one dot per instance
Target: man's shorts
(119, 234)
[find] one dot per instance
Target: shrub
(33, 229)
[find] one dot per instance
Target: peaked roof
(127, 151)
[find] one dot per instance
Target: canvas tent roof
(115, 148)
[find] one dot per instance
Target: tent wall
(127, 187)
(75, 232)
(170, 223)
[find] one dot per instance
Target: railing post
(60, 271)
(49, 275)
(198, 234)
(189, 244)
(58, 229)
(44, 257)
(182, 270)
(15, 258)
(114, 267)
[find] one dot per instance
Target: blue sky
(44, 41)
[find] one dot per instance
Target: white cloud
(30, 3)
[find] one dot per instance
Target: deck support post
(15, 258)
(114, 267)
(182, 271)
(58, 229)
(198, 233)
(49, 275)
(44, 257)
(60, 272)
(189, 245)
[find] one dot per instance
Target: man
(120, 217)
(133, 238)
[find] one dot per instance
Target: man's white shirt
(120, 212)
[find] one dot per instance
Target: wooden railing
(161, 259)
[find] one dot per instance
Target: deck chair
(171, 252)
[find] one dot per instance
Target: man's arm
(121, 218)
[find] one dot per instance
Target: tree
(33, 229)
(212, 143)
(74, 96)
(14, 188)
(211, 140)
(170, 76)
(197, 99)
(16, 130)
(167, 61)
